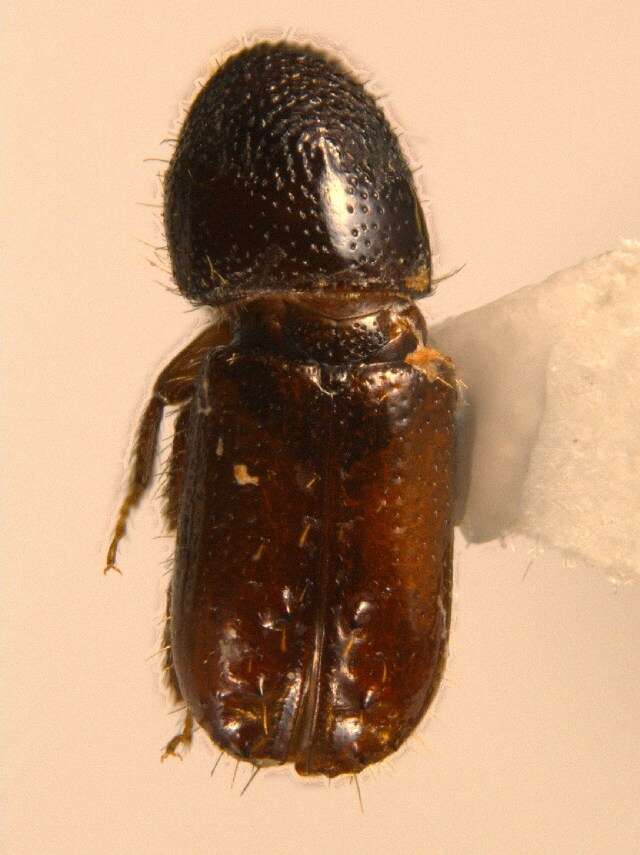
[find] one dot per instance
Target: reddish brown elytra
(311, 478)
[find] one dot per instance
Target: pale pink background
(526, 118)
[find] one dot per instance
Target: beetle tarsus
(185, 737)
(111, 567)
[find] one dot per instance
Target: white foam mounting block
(549, 438)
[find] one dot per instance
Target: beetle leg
(140, 473)
(185, 738)
(186, 734)
(168, 669)
(173, 386)
(174, 473)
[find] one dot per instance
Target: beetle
(311, 479)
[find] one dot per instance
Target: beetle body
(311, 478)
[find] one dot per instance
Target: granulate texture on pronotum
(311, 478)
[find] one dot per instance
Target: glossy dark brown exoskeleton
(311, 478)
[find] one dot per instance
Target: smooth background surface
(525, 117)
